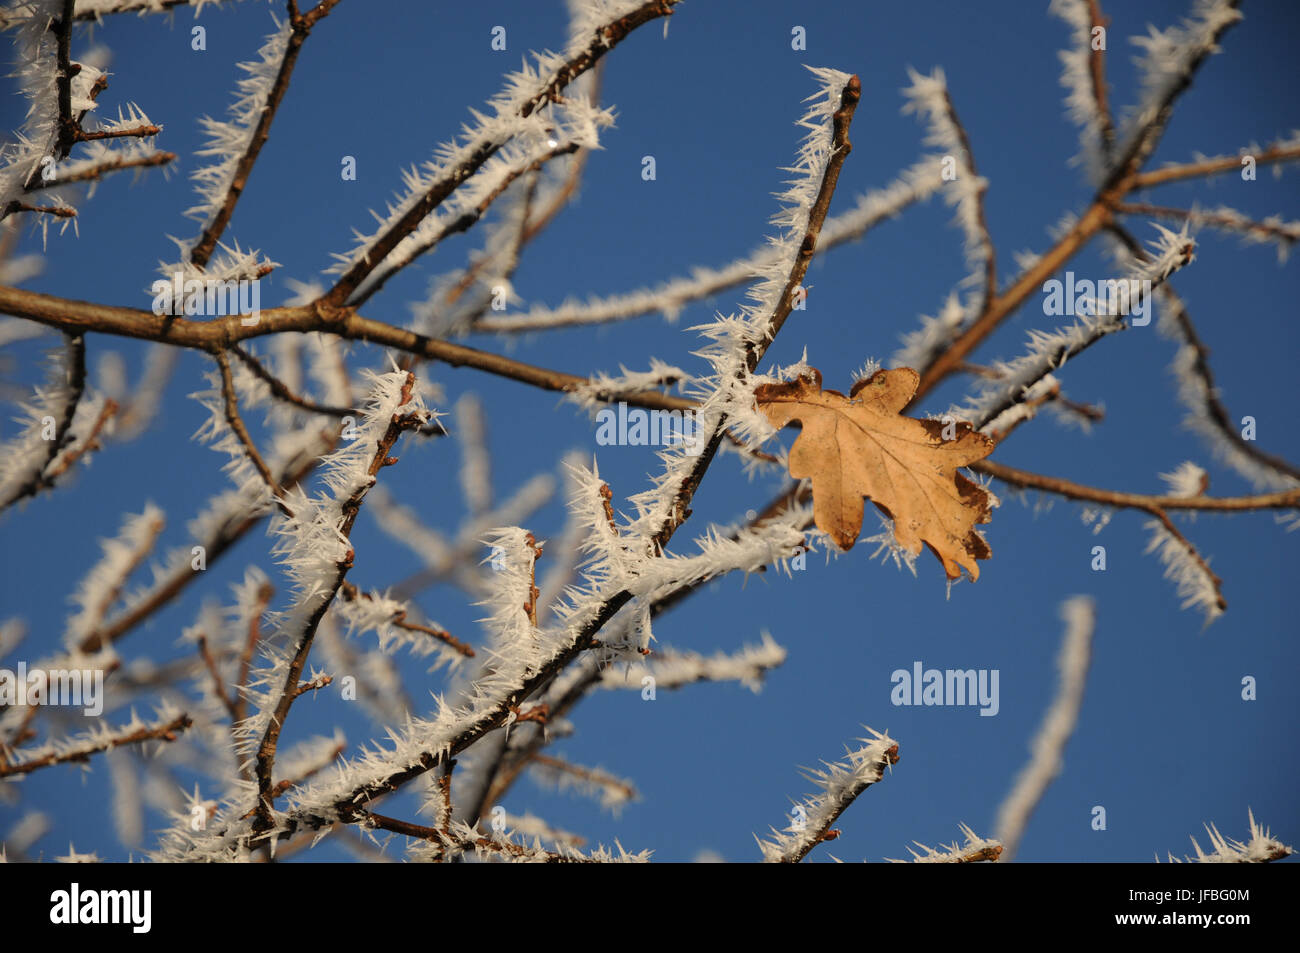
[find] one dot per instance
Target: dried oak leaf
(860, 446)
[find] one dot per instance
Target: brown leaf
(859, 446)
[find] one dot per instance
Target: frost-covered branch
(976, 849)
(1048, 746)
(316, 550)
(1287, 150)
(929, 96)
(1272, 230)
(369, 610)
(1023, 479)
(671, 669)
(282, 391)
(96, 10)
(1198, 392)
(1170, 60)
(79, 749)
(1173, 59)
(60, 426)
(1196, 583)
(101, 587)
(838, 787)
(1260, 849)
(236, 424)
(612, 792)
(1000, 399)
(1084, 76)
(461, 839)
(239, 141)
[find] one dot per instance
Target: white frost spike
(1171, 251)
(888, 547)
(230, 263)
(74, 857)
(1186, 479)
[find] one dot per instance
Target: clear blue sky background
(1165, 741)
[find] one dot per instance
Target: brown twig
(1059, 486)
(236, 423)
(1213, 408)
(76, 385)
(990, 257)
(280, 390)
(1282, 233)
(143, 131)
(1097, 71)
(1208, 167)
(447, 842)
(351, 593)
(64, 464)
(58, 211)
(68, 128)
(218, 683)
(1194, 553)
(94, 173)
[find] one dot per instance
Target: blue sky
(1165, 742)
